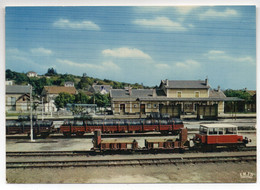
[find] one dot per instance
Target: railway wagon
(78, 128)
(180, 143)
(113, 144)
(211, 136)
(43, 128)
(151, 145)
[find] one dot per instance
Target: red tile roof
(59, 89)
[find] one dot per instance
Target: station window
(197, 94)
(148, 105)
(179, 94)
(135, 105)
(154, 106)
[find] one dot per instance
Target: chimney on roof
(207, 81)
(218, 88)
(129, 89)
(154, 92)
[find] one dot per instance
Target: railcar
(212, 136)
(42, 128)
(78, 127)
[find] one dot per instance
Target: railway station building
(173, 97)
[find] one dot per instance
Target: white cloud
(215, 52)
(162, 66)
(41, 51)
(185, 9)
(84, 25)
(103, 66)
(13, 51)
(111, 65)
(221, 55)
(211, 14)
(126, 52)
(163, 23)
(188, 64)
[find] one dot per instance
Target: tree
(51, 72)
(63, 99)
(100, 99)
(81, 98)
(238, 106)
(85, 82)
(240, 94)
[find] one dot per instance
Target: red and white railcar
(215, 135)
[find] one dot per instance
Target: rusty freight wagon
(113, 144)
(122, 126)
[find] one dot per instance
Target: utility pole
(31, 113)
(42, 108)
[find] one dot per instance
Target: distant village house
(49, 93)
(31, 74)
(17, 98)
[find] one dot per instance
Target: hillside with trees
(51, 78)
(81, 83)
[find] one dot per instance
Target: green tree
(81, 98)
(100, 99)
(239, 93)
(63, 99)
(51, 72)
(85, 82)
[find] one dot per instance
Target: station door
(207, 111)
(172, 110)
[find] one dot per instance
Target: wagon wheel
(67, 134)
(80, 134)
(176, 132)
(45, 135)
(164, 132)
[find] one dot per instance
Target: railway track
(130, 162)
(90, 152)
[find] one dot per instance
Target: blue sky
(136, 44)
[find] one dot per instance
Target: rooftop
(17, 89)
(185, 84)
(218, 125)
(134, 93)
(59, 89)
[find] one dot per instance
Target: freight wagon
(42, 128)
(78, 128)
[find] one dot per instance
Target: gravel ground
(190, 173)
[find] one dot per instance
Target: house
(174, 97)
(31, 74)
(49, 93)
(69, 84)
(102, 89)
(9, 82)
(17, 98)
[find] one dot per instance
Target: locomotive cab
(214, 135)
